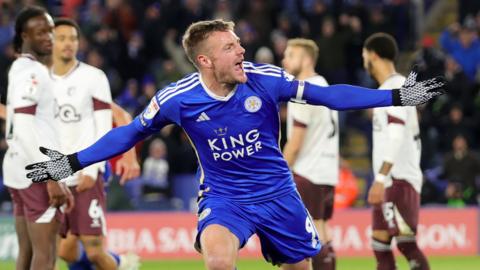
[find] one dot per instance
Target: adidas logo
(203, 117)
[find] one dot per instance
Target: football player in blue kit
(229, 109)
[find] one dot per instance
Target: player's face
(293, 60)
(66, 43)
(226, 56)
(367, 61)
(38, 34)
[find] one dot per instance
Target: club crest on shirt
(33, 84)
(253, 104)
(152, 109)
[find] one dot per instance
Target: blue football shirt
(235, 137)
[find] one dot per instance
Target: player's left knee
(94, 249)
(219, 263)
(67, 255)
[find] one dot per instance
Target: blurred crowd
(137, 44)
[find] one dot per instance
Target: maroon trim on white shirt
(394, 120)
(297, 123)
(32, 109)
(100, 105)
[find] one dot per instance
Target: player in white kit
(312, 148)
(84, 114)
(395, 192)
(29, 124)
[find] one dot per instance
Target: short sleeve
(27, 85)
(396, 115)
(101, 87)
(300, 113)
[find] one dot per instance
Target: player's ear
(204, 61)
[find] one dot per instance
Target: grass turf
(436, 263)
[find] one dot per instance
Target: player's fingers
(37, 176)
(119, 168)
(136, 172)
(70, 204)
(123, 179)
(80, 187)
(39, 165)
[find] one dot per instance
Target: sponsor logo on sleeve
(152, 109)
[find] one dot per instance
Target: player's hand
(85, 182)
(58, 167)
(70, 200)
(414, 92)
(56, 193)
(128, 168)
(376, 193)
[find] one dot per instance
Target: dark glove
(413, 93)
(58, 167)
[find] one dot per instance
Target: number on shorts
(95, 210)
(388, 213)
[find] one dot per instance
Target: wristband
(380, 178)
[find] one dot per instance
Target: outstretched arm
(348, 97)
(116, 141)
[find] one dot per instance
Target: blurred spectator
(249, 37)
(154, 29)
(454, 125)
(461, 42)
(460, 89)
(223, 10)
(260, 14)
(264, 55)
(279, 41)
(461, 168)
(155, 170)
(190, 12)
(168, 73)
(314, 14)
(332, 45)
(128, 98)
(430, 60)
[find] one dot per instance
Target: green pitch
(437, 263)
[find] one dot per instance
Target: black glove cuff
(76, 166)
(396, 101)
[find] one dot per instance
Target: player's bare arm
(294, 144)
(377, 190)
(127, 166)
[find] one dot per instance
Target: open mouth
(239, 65)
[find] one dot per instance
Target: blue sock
(116, 257)
(82, 263)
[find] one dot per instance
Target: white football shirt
(318, 159)
(30, 119)
(396, 139)
(83, 112)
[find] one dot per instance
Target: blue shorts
(286, 231)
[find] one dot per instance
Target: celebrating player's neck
(383, 70)
(216, 86)
(62, 66)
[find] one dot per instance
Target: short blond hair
(199, 31)
(307, 44)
